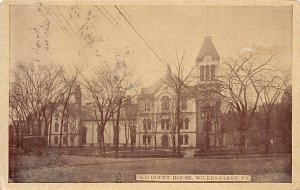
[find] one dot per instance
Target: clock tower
(208, 99)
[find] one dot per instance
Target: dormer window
(207, 74)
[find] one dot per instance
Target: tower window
(213, 72)
(201, 73)
(207, 74)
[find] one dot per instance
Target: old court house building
(199, 121)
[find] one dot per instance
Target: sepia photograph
(116, 93)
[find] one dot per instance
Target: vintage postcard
(159, 94)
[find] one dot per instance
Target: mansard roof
(208, 48)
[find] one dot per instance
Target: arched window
(186, 123)
(213, 72)
(202, 73)
(207, 74)
(186, 139)
(149, 139)
(165, 101)
(55, 140)
(56, 126)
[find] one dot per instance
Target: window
(56, 116)
(149, 124)
(186, 139)
(167, 124)
(184, 104)
(213, 72)
(181, 124)
(149, 139)
(162, 123)
(65, 140)
(56, 126)
(65, 127)
(181, 139)
(84, 135)
(186, 123)
(144, 124)
(144, 139)
(201, 73)
(204, 114)
(207, 76)
(165, 103)
(147, 105)
(55, 140)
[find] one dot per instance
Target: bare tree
(34, 89)
(131, 112)
(178, 80)
(69, 86)
(272, 89)
(239, 83)
(107, 89)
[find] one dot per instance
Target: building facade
(200, 113)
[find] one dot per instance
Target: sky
(169, 30)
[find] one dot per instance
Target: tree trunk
(242, 142)
(155, 145)
(116, 129)
(178, 128)
(50, 127)
(126, 135)
(267, 135)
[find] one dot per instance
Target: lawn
(94, 169)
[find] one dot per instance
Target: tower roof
(207, 48)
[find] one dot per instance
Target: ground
(95, 169)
